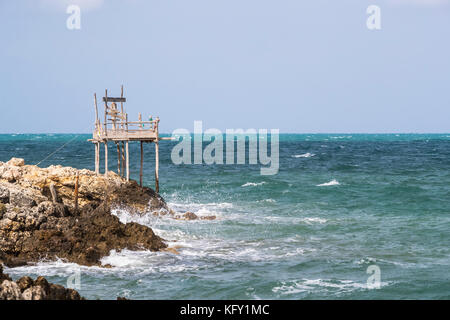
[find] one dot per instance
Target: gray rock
(9, 290)
(20, 199)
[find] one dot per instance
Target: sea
(347, 216)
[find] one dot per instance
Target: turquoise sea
(339, 204)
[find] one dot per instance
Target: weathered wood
(141, 173)
(156, 166)
(127, 160)
(157, 158)
(76, 191)
(123, 159)
(96, 158)
(106, 110)
(53, 193)
(106, 158)
(114, 99)
(119, 157)
(96, 110)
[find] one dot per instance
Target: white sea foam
(305, 285)
(253, 184)
(312, 220)
(333, 182)
(305, 155)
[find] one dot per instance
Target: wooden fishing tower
(116, 128)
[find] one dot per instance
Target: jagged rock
(27, 289)
(190, 216)
(18, 162)
(34, 226)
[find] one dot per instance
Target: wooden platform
(117, 129)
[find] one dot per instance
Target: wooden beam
(141, 173)
(157, 157)
(123, 159)
(106, 158)
(106, 109)
(119, 157)
(114, 99)
(76, 192)
(96, 158)
(128, 161)
(156, 166)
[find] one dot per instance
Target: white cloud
(85, 5)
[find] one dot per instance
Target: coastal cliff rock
(39, 219)
(28, 289)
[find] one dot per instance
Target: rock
(190, 216)
(2, 210)
(18, 162)
(4, 194)
(33, 226)
(27, 289)
(208, 218)
(24, 283)
(9, 290)
(171, 250)
(21, 199)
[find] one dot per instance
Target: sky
(297, 66)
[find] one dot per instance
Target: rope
(57, 150)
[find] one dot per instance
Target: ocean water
(339, 204)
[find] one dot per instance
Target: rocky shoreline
(64, 213)
(28, 289)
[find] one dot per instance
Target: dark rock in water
(27, 289)
(190, 216)
(33, 225)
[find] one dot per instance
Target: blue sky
(299, 66)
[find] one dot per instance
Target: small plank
(111, 99)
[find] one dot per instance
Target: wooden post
(96, 112)
(123, 159)
(76, 191)
(96, 158)
(106, 158)
(106, 109)
(127, 160)
(156, 165)
(118, 158)
(157, 157)
(53, 192)
(142, 163)
(121, 103)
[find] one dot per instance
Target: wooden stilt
(76, 191)
(119, 157)
(106, 158)
(127, 160)
(142, 163)
(123, 159)
(96, 158)
(157, 166)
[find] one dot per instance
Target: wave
(306, 285)
(253, 184)
(305, 155)
(333, 182)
